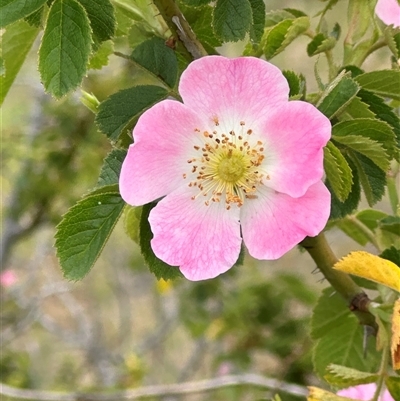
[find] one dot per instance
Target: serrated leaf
(120, 109)
(102, 19)
(100, 59)
(196, 3)
(132, 217)
(232, 19)
(339, 336)
(84, 230)
(392, 254)
(371, 267)
(156, 57)
(258, 20)
(393, 385)
(13, 10)
(201, 21)
(342, 376)
(384, 83)
(341, 209)
(111, 168)
(383, 111)
(339, 93)
(282, 34)
(374, 129)
(17, 40)
(297, 83)
(65, 47)
(367, 147)
(337, 171)
(159, 268)
(320, 43)
(357, 109)
(372, 178)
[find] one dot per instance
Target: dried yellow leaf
(371, 267)
(317, 394)
(395, 347)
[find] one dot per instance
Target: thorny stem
(357, 299)
(180, 28)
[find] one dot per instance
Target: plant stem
(365, 230)
(180, 28)
(357, 299)
(382, 373)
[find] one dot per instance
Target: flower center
(227, 166)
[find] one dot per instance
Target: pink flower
(364, 392)
(388, 11)
(236, 159)
(7, 278)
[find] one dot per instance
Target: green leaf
(357, 109)
(383, 111)
(159, 59)
(391, 224)
(274, 17)
(159, 268)
(352, 230)
(276, 39)
(392, 254)
(384, 83)
(297, 84)
(370, 217)
(338, 171)
(118, 111)
(111, 168)
(339, 337)
(393, 385)
(374, 129)
(201, 21)
(132, 217)
(296, 13)
(232, 19)
(320, 43)
(367, 147)
(102, 19)
(341, 209)
(84, 230)
(339, 93)
(372, 178)
(258, 20)
(343, 376)
(100, 58)
(35, 19)
(17, 40)
(65, 48)
(13, 10)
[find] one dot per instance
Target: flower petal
(204, 241)
(294, 137)
(244, 88)
(275, 222)
(156, 162)
(388, 11)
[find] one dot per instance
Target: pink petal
(294, 137)
(364, 392)
(204, 241)
(275, 222)
(388, 11)
(244, 88)
(156, 162)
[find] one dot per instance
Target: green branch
(357, 299)
(180, 28)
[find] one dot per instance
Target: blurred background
(120, 328)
